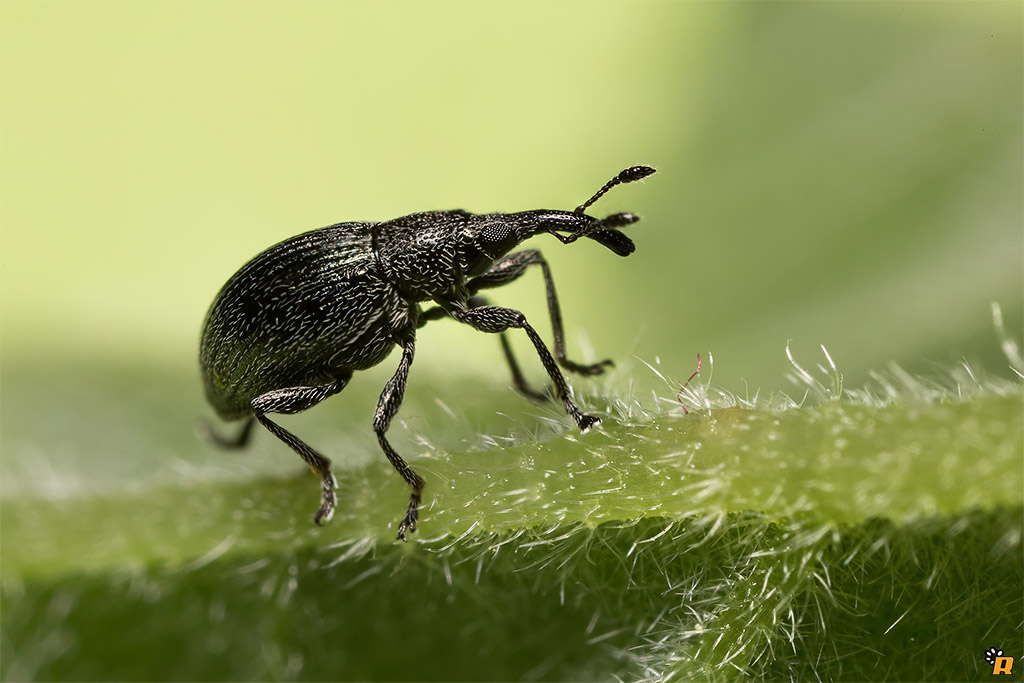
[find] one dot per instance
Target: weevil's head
(489, 237)
(569, 226)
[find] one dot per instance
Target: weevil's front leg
(495, 319)
(518, 380)
(511, 267)
(387, 406)
(295, 400)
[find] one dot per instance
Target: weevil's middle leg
(295, 400)
(387, 406)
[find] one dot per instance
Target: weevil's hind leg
(511, 267)
(387, 406)
(295, 400)
(241, 440)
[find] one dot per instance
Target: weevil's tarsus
(412, 513)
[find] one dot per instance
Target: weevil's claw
(328, 499)
(323, 515)
(407, 526)
(412, 513)
(587, 421)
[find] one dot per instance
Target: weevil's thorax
(418, 253)
(431, 254)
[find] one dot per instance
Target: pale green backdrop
(838, 174)
(844, 174)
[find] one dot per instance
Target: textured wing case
(297, 315)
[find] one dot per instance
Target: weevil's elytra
(290, 328)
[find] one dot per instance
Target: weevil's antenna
(627, 176)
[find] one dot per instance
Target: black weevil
(290, 328)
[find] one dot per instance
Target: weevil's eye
(496, 239)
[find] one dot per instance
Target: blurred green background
(838, 174)
(844, 174)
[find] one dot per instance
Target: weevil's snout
(605, 231)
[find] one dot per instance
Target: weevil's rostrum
(290, 328)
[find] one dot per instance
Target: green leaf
(853, 539)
